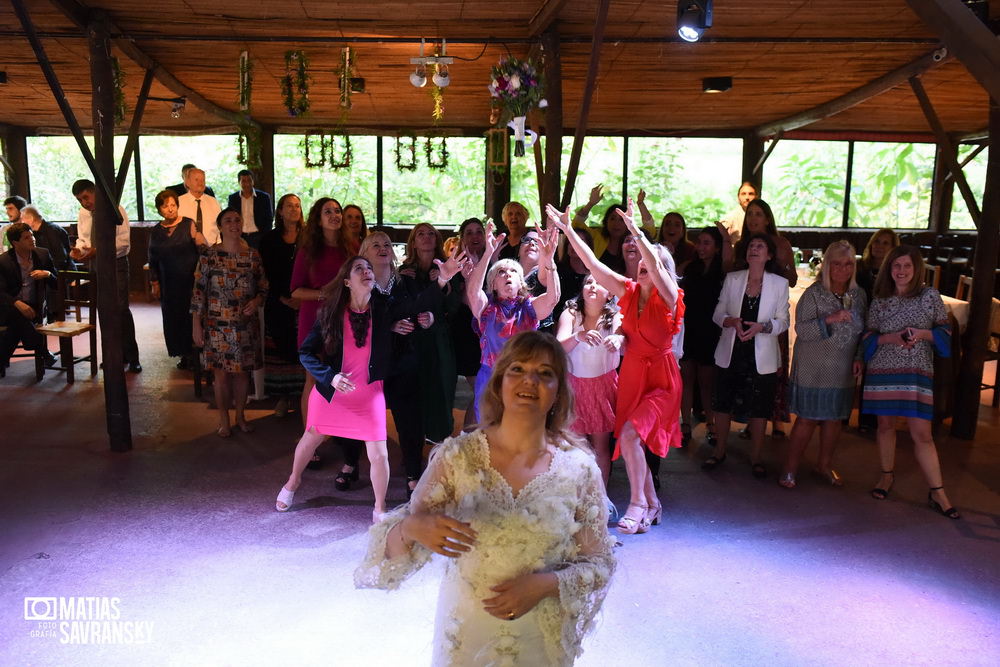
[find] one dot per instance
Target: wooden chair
(932, 276)
(964, 288)
(77, 290)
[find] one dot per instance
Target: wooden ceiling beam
(873, 88)
(79, 14)
(966, 36)
(546, 15)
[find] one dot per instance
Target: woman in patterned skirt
(907, 324)
(829, 319)
(229, 288)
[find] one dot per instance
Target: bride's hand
(516, 597)
(439, 533)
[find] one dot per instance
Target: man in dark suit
(54, 239)
(25, 273)
(255, 207)
(182, 188)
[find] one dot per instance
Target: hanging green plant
(409, 161)
(250, 146)
(314, 144)
(441, 162)
(346, 154)
(498, 149)
(295, 83)
(344, 74)
(119, 91)
(246, 81)
(437, 94)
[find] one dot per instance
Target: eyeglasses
(529, 239)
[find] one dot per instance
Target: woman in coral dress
(649, 389)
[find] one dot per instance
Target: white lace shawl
(557, 523)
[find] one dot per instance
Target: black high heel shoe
(342, 482)
(882, 494)
(951, 512)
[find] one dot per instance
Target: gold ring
(510, 615)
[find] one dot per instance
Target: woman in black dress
(283, 375)
(173, 256)
(702, 283)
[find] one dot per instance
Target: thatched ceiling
(785, 56)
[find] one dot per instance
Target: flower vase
(518, 124)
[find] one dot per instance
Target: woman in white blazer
(752, 311)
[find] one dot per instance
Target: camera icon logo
(40, 609)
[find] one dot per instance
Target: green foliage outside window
(975, 174)
(891, 185)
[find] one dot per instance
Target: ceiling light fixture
(441, 76)
(177, 104)
(693, 18)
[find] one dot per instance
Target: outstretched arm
(663, 279)
(582, 213)
(474, 292)
(546, 302)
(610, 280)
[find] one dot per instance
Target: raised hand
(641, 198)
(492, 240)
(449, 268)
(628, 217)
(596, 195)
(558, 219)
(548, 242)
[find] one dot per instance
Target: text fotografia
(84, 620)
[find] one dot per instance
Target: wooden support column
(970, 372)
(16, 154)
(264, 178)
(753, 151)
(105, 217)
(497, 183)
(942, 191)
(588, 93)
(553, 115)
(133, 135)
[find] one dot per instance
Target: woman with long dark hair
(907, 325)
(702, 283)
(348, 354)
(283, 375)
(519, 510)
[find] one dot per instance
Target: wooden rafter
(79, 13)
(947, 149)
(965, 36)
(588, 93)
(873, 88)
(545, 16)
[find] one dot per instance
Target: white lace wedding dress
(556, 523)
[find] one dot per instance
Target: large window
(54, 163)
(975, 174)
(356, 184)
(601, 160)
(699, 178)
(891, 185)
(804, 183)
(443, 197)
(162, 158)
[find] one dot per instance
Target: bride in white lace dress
(520, 510)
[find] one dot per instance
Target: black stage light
(693, 17)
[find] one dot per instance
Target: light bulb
(441, 77)
(419, 77)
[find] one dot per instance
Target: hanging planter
(250, 146)
(497, 148)
(246, 81)
(346, 154)
(406, 155)
(295, 83)
(441, 161)
(344, 77)
(314, 145)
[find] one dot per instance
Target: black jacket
(55, 239)
(263, 212)
(10, 279)
(323, 368)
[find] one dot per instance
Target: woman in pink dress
(348, 353)
(649, 389)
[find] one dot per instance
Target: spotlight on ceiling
(693, 17)
(441, 76)
(716, 84)
(419, 76)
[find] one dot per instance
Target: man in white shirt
(255, 207)
(86, 193)
(203, 208)
(733, 221)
